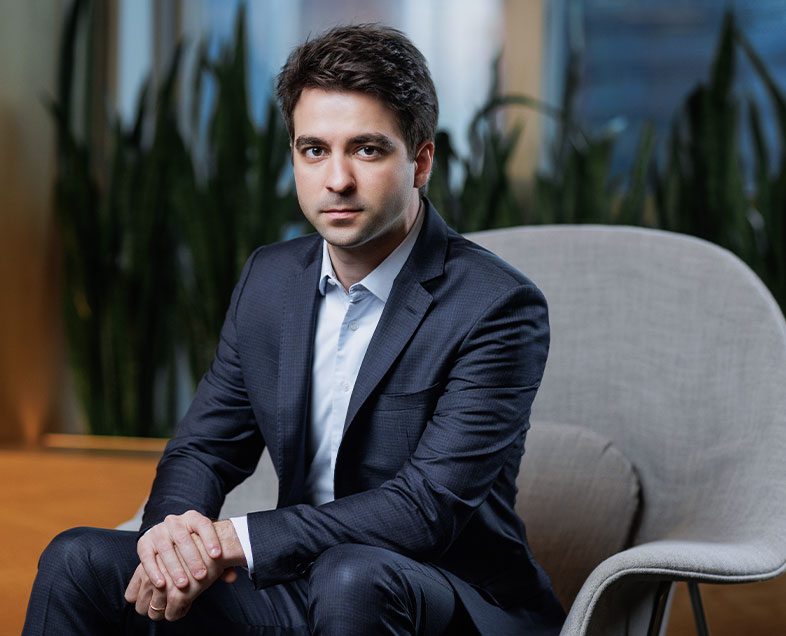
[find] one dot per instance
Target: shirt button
(344, 386)
(353, 325)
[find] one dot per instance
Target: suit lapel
(404, 310)
(294, 381)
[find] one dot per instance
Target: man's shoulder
(285, 256)
(480, 269)
(272, 269)
(461, 263)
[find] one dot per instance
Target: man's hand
(171, 543)
(172, 601)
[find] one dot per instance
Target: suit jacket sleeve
(478, 422)
(217, 443)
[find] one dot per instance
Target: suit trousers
(350, 589)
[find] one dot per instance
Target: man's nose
(340, 177)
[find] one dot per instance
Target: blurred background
(142, 159)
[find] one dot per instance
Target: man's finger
(177, 601)
(147, 557)
(168, 561)
(157, 604)
(182, 529)
(132, 591)
(142, 602)
(159, 558)
(204, 528)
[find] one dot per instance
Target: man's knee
(67, 552)
(107, 557)
(350, 585)
(82, 574)
(360, 589)
(350, 570)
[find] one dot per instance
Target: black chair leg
(659, 608)
(698, 609)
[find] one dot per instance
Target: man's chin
(345, 240)
(344, 244)
(341, 231)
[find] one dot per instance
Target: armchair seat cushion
(579, 496)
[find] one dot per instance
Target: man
(388, 365)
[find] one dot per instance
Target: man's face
(355, 182)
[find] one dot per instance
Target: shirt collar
(380, 280)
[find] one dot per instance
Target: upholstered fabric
(675, 351)
(579, 496)
(258, 492)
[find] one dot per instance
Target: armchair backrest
(675, 351)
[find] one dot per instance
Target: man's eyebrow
(303, 142)
(374, 139)
(371, 139)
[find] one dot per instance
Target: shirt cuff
(241, 529)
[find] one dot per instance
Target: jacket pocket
(407, 401)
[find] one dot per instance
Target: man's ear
(424, 158)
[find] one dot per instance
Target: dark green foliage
(767, 211)
(152, 251)
(704, 167)
(577, 189)
(237, 205)
(632, 208)
(117, 229)
(474, 192)
(703, 189)
(700, 186)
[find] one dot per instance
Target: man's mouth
(341, 213)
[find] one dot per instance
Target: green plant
(700, 186)
(701, 191)
(152, 245)
(767, 208)
(120, 271)
(474, 191)
(577, 189)
(238, 203)
(704, 188)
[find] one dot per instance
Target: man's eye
(314, 152)
(369, 151)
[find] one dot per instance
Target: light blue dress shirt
(346, 321)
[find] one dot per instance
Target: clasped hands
(179, 559)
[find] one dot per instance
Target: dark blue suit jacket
(432, 440)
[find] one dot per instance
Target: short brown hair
(369, 58)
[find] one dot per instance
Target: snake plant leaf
(776, 95)
(634, 200)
